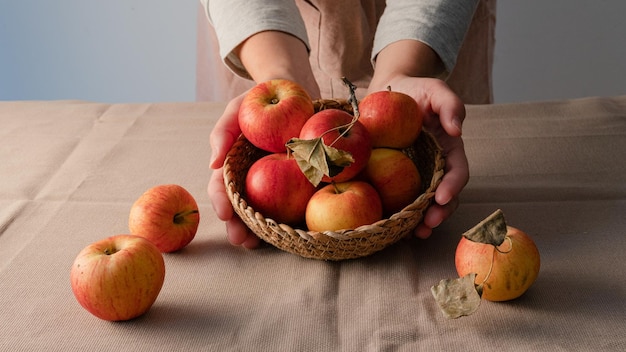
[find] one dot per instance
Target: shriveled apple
(494, 261)
(505, 269)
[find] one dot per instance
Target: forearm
(440, 24)
(404, 58)
(273, 54)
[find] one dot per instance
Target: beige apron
(333, 44)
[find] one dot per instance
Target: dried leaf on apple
(457, 297)
(317, 159)
(492, 230)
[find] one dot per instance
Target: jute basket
(343, 244)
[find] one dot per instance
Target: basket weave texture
(343, 244)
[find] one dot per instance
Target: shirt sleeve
(236, 20)
(441, 24)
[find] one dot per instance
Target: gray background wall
(144, 51)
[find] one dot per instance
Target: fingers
(219, 199)
(447, 106)
(434, 216)
(225, 132)
(239, 235)
(456, 174)
(237, 232)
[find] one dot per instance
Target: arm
(273, 54)
(272, 43)
(415, 43)
(440, 24)
(262, 40)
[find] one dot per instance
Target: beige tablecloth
(70, 170)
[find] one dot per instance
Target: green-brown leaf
(317, 159)
(492, 230)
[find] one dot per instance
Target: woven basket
(343, 244)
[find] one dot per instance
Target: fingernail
(457, 123)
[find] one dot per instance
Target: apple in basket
(167, 215)
(339, 129)
(392, 118)
(276, 188)
(343, 205)
(273, 112)
(118, 278)
(395, 176)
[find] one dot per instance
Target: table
(70, 170)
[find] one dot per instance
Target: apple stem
(507, 238)
(355, 108)
(337, 190)
(352, 97)
(179, 218)
(493, 257)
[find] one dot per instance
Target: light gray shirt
(343, 37)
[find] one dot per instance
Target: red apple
(167, 215)
(276, 188)
(355, 139)
(118, 278)
(273, 112)
(395, 176)
(344, 205)
(392, 118)
(506, 271)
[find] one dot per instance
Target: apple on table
(167, 215)
(118, 278)
(505, 271)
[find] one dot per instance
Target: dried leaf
(492, 230)
(457, 297)
(317, 159)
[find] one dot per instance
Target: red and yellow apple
(167, 215)
(343, 205)
(277, 188)
(392, 118)
(118, 278)
(338, 130)
(505, 271)
(273, 112)
(396, 178)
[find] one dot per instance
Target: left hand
(443, 113)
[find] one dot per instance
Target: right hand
(222, 138)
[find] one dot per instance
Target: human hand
(443, 113)
(222, 138)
